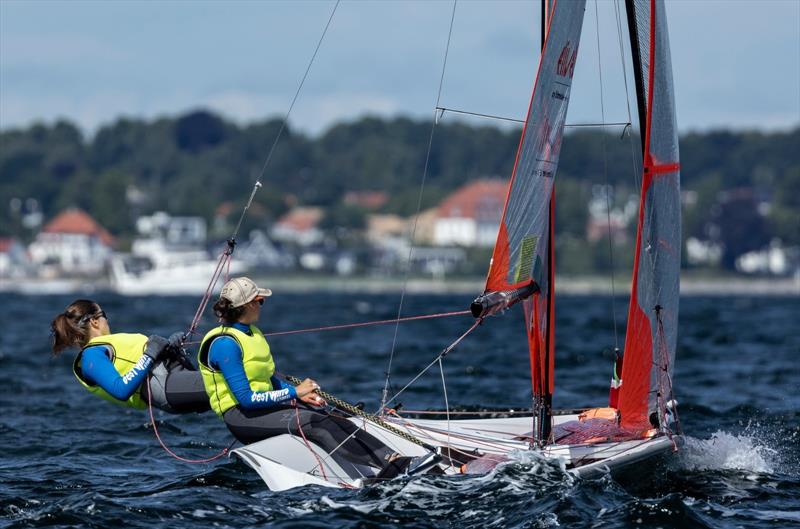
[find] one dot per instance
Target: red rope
(308, 445)
(164, 446)
(364, 324)
(223, 259)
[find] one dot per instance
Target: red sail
(653, 312)
(521, 254)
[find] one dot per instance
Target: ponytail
(69, 328)
(225, 311)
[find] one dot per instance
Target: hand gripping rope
(349, 408)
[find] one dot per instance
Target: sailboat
(640, 421)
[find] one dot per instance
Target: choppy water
(70, 460)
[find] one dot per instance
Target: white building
(299, 225)
(471, 216)
(74, 243)
(174, 231)
(13, 258)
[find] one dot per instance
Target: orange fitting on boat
(610, 414)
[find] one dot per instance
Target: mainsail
(521, 266)
(649, 352)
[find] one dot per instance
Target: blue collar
(241, 327)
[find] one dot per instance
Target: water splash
(726, 451)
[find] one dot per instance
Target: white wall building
(74, 243)
(471, 216)
(299, 225)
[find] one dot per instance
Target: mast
(638, 76)
(545, 426)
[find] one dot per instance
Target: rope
(446, 403)
(367, 323)
(166, 448)
(439, 357)
(285, 120)
(297, 92)
(605, 173)
(308, 445)
(442, 110)
(225, 257)
(342, 405)
(419, 208)
(256, 186)
(360, 324)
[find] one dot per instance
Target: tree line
(190, 164)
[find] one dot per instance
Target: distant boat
(154, 268)
(641, 419)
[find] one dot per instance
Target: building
(73, 243)
(13, 258)
(173, 231)
(371, 200)
(471, 216)
(383, 229)
(300, 226)
(615, 223)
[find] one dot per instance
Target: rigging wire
(367, 323)
(446, 403)
(416, 215)
(299, 88)
(442, 110)
(637, 181)
(441, 355)
(227, 254)
(605, 173)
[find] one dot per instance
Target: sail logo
(566, 61)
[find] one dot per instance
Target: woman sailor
(123, 367)
(239, 375)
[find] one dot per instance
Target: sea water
(71, 460)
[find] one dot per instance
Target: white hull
(187, 277)
(286, 461)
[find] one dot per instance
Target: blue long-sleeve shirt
(98, 369)
(225, 355)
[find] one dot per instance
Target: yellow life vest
(257, 360)
(125, 351)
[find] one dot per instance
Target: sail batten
(651, 335)
(523, 256)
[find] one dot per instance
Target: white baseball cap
(241, 290)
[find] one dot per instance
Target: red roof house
(471, 216)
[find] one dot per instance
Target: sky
(736, 63)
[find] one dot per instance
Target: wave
(726, 451)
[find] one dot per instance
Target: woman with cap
(239, 375)
(124, 367)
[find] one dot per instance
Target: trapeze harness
(115, 368)
(239, 376)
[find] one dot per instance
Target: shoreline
(565, 285)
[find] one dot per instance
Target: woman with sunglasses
(239, 375)
(124, 367)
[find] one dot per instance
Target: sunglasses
(86, 317)
(260, 301)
